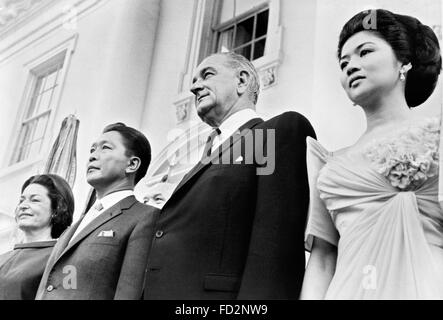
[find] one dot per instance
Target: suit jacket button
(50, 288)
(159, 234)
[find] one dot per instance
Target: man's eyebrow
(357, 48)
(208, 69)
(202, 71)
(101, 142)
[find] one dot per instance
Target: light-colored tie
(92, 213)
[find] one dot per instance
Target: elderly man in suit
(103, 255)
(234, 226)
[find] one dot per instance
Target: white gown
(380, 208)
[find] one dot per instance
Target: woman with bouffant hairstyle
(45, 210)
(375, 227)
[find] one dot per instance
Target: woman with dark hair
(375, 227)
(44, 211)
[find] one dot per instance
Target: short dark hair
(411, 41)
(62, 200)
(136, 144)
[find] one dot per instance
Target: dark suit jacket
(102, 267)
(228, 233)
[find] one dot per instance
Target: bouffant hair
(411, 41)
(62, 200)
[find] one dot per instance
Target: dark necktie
(210, 142)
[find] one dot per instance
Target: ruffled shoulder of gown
(316, 150)
(408, 156)
(319, 224)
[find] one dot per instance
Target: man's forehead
(110, 136)
(213, 61)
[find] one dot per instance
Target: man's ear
(133, 165)
(243, 82)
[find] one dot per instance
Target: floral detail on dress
(408, 158)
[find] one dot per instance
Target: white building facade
(132, 61)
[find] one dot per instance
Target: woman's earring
(402, 75)
(403, 71)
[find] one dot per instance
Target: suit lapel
(225, 145)
(62, 243)
(104, 217)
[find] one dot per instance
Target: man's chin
(204, 114)
(203, 108)
(92, 179)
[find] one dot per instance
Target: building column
(128, 51)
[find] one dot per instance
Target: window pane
(245, 51)
(225, 40)
(51, 81)
(25, 136)
(262, 24)
(18, 150)
(41, 127)
(233, 8)
(35, 98)
(44, 90)
(43, 86)
(245, 30)
(33, 149)
(259, 49)
(45, 99)
(31, 138)
(247, 36)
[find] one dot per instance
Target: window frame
(37, 63)
(56, 62)
(218, 28)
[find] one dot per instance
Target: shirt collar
(111, 199)
(235, 121)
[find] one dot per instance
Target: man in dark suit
(234, 226)
(103, 255)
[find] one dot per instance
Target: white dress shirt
(105, 203)
(232, 124)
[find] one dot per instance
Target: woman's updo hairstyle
(411, 41)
